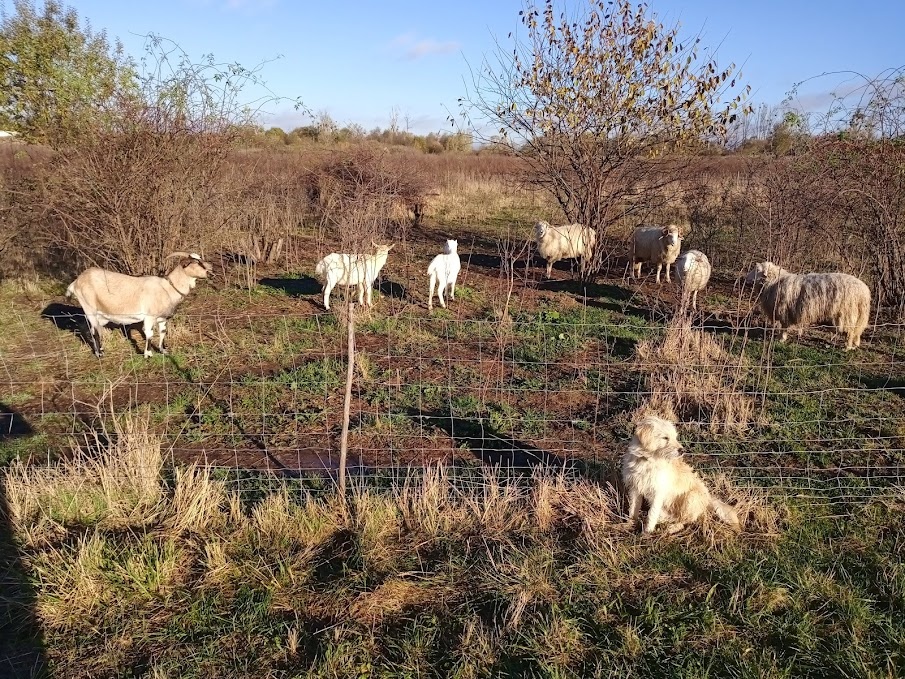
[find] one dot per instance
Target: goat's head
(451, 246)
(382, 249)
(193, 264)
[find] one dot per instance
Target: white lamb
(361, 270)
(443, 271)
(693, 272)
(657, 245)
(795, 301)
(564, 242)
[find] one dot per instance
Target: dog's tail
(724, 512)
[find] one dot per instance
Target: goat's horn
(178, 253)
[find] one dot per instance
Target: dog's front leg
(634, 505)
(653, 515)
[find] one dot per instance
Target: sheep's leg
(162, 331)
(660, 266)
(148, 327)
(668, 279)
(653, 516)
(549, 268)
(694, 300)
(328, 288)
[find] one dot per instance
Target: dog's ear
(646, 433)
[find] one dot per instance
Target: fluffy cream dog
(653, 470)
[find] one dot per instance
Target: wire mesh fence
(259, 393)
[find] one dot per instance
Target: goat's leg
(162, 331)
(430, 292)
(148, 328)
(452, 289)
(94, 333)
(441, 287)
(328, 288)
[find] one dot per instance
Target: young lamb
(657, 245)
(110, 297)
(693, 273)
(563, 242)
(795, 301)
(443, 271)
(361, 270)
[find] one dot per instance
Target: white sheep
(110, 297)
(693, 273)
(795, 301)
(361, 270)
(657, 245)
(563, 242)
(443, 271)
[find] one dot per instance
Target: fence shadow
(22, 652)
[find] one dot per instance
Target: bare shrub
(693, 377)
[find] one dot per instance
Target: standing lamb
(693, 273)
(110, 297)
(563, 242)
(361, 270)
(795, 301)
(443, 271)
(657, 245)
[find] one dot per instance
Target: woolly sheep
(443, 271)
(361, 270)
(563, 242)
(795, 301)
(657, 245)
(110, 297)
(693, 272)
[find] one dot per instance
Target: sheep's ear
(665, 230)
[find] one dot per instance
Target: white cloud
(410, 47)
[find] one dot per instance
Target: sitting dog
(653, 470)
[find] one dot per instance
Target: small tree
(588, 103)
(56, 75)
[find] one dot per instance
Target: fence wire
(252, 392)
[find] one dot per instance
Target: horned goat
(693, 273)
(563, 242)
(443, 271)
(361, 270)
(110, 297)
(796, 301)
(657, 245)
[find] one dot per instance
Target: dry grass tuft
(119, 486)
(396, 596)
(692, 377)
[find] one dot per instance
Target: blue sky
(359, 60)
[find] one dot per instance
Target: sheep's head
(451, 246)
(540, 230)
(193, 264)
(671, 235)
(763, 273)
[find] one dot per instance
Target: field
(177, 516)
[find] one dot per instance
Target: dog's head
(657, 437)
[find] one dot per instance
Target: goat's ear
(390, 246)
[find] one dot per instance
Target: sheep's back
(570, 240)
(815, 297)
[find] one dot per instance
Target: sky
(359, 61)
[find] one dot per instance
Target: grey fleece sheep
(795, 301)
(658, 245)
(563, 242)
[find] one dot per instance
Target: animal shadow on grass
(21, 643)
(389, 288)
(72, 319)
(294, 287)
(490, 447)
